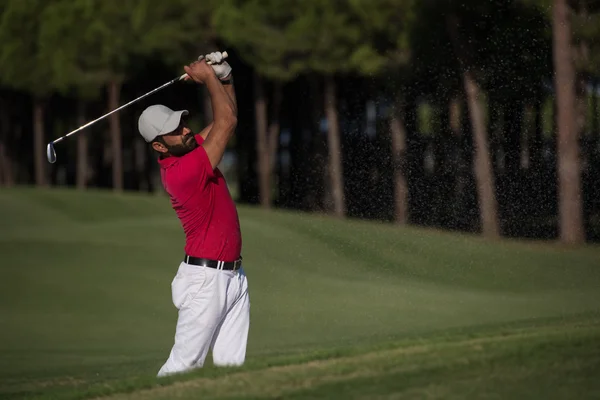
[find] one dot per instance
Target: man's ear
(159, 147)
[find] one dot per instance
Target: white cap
(157, 120)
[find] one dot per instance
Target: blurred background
(418, 184)
(470, 115)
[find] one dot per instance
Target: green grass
(348, 309)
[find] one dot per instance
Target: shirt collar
(169, 161)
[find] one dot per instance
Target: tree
(484, 174)
(396, 19)
(6, 172)
(6, 162)
(506, 53)
(19, 34)
(264, 36)
(569, 169)
(311, 36)
(337, 43)
(436, 80)
(96, 44)
(92, 42)
(60, 51)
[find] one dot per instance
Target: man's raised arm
(231, 91)
(224, 111)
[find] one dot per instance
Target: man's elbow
(226, 122)
(231, 122)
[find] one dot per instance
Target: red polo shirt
(201, 199)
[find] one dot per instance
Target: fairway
(344, 308)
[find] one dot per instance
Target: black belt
(205, 262)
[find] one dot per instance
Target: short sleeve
(190, 175)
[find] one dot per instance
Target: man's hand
(199, 71)
(222, 68)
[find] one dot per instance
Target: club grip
(225, 55)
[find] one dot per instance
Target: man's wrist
(228, 80)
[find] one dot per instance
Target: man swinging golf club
(210, 288)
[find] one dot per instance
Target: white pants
(214, 313)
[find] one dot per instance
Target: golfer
(210, 289)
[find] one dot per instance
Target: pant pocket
(186, 285)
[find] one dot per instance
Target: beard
(183, 148)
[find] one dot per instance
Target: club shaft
(120, 108)
(225, 55)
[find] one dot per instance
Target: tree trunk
(262, 145)
(315, 169)
(513, 123)
(582, 58)
(398, 142)
(581, 109)
(444, 174)
(6, 168)
(6, 175)
(593, 146)
(459, 162)
(39, 151)
(274, 128)
(335, 150)
(496, 134)
(595, 126)
(570, 205)
(82, 151)
(535, 146)
(114, 89)
(140, 156)
(488, 208)
(484, 175)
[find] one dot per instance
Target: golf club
(51, 152)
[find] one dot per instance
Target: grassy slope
(550, 362)
(85, 288)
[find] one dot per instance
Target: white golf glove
(222, 68)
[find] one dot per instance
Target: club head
(51, 153)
